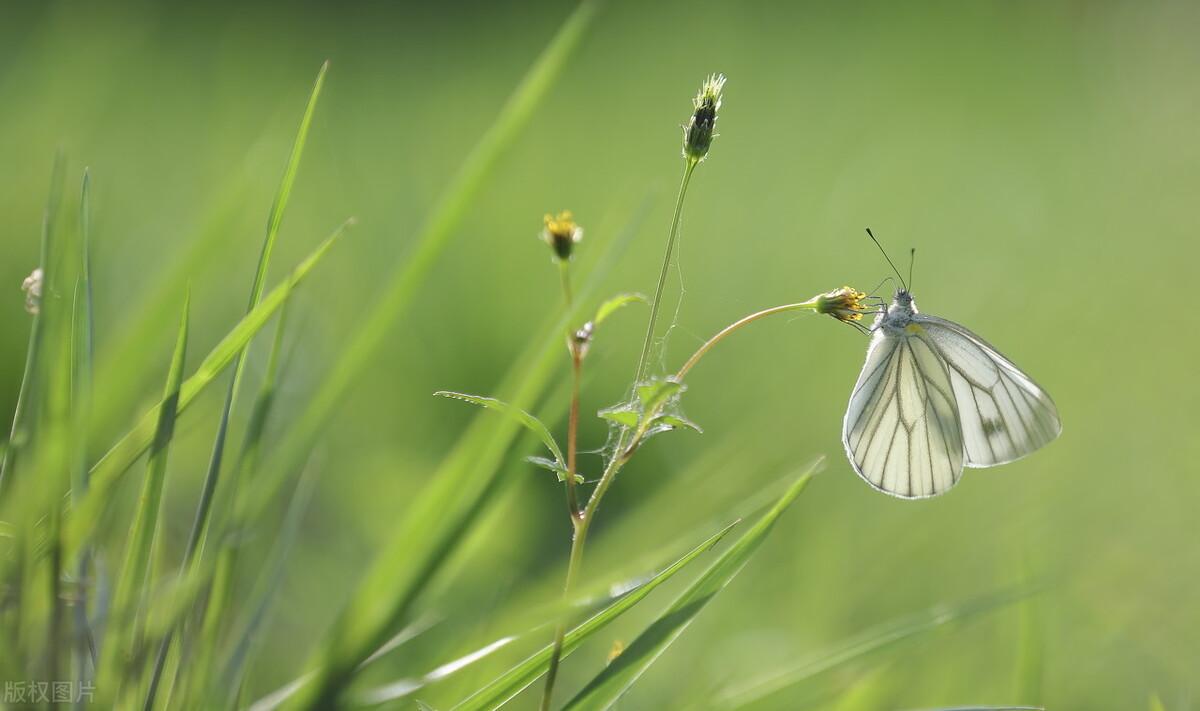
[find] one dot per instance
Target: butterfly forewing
(1004, 414)
(901, 430)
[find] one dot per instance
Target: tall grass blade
(18, 433)
(212, 476)
(106, 473)
(435, 522)
(431, 241)
(872, 640)
(127, 617)
(215, 611)
(82, 356)
(607, 687)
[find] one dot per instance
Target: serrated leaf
(617, 302)
(555, 467)
(621, 414)
(611, 683)
(527, 420)
(516, 679)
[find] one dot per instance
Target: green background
(1041, 157)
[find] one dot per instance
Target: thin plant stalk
(621, 456)
(689, 167)
(582, 521)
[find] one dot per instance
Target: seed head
(699, 132)
(844, 304)
(32, 286)
(562, 234)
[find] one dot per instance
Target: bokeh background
(1042, 158)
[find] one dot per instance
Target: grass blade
(124, 622)
(17, 434)
(82, 357)
(430, 242)
(219, 595)
(510, 683)
(108, 471)
(608, 686)
(436, 520)
(871, 640)
(200, 523)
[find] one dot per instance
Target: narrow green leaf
(132, 582)
(220, 595)
(619, 301)
(751, 691)
(608, 686)
(526, 420)
(1156, 703)
(200, 523)
(18, 433)
(447, 214)
(513, 681)
(107, 472)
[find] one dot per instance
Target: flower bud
(562, 234)
(699, 133)
(844, 304)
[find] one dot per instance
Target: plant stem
(683, 371)
(564, 271)
(573, 436)
(689, 166)
(583, 521)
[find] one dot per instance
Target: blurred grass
(1042, 158)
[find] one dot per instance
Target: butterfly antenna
(889, 259)
(912, 257)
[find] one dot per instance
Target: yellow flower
(844, 304)
(562, 234)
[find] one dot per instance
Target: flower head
(32, 286)
(562, 234)
(699, 132)
(844, 304)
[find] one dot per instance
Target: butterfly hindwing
(1004, 414)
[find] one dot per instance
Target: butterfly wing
(1004, 414)
(901, 430)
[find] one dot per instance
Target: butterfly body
(934, 398)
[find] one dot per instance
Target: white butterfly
(934, 397)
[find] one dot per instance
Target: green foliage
(616, 678)
(503, 688)
(519, 416)
(320, 521)
(616, 303)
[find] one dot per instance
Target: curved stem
(683, 371)
(688, 168)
